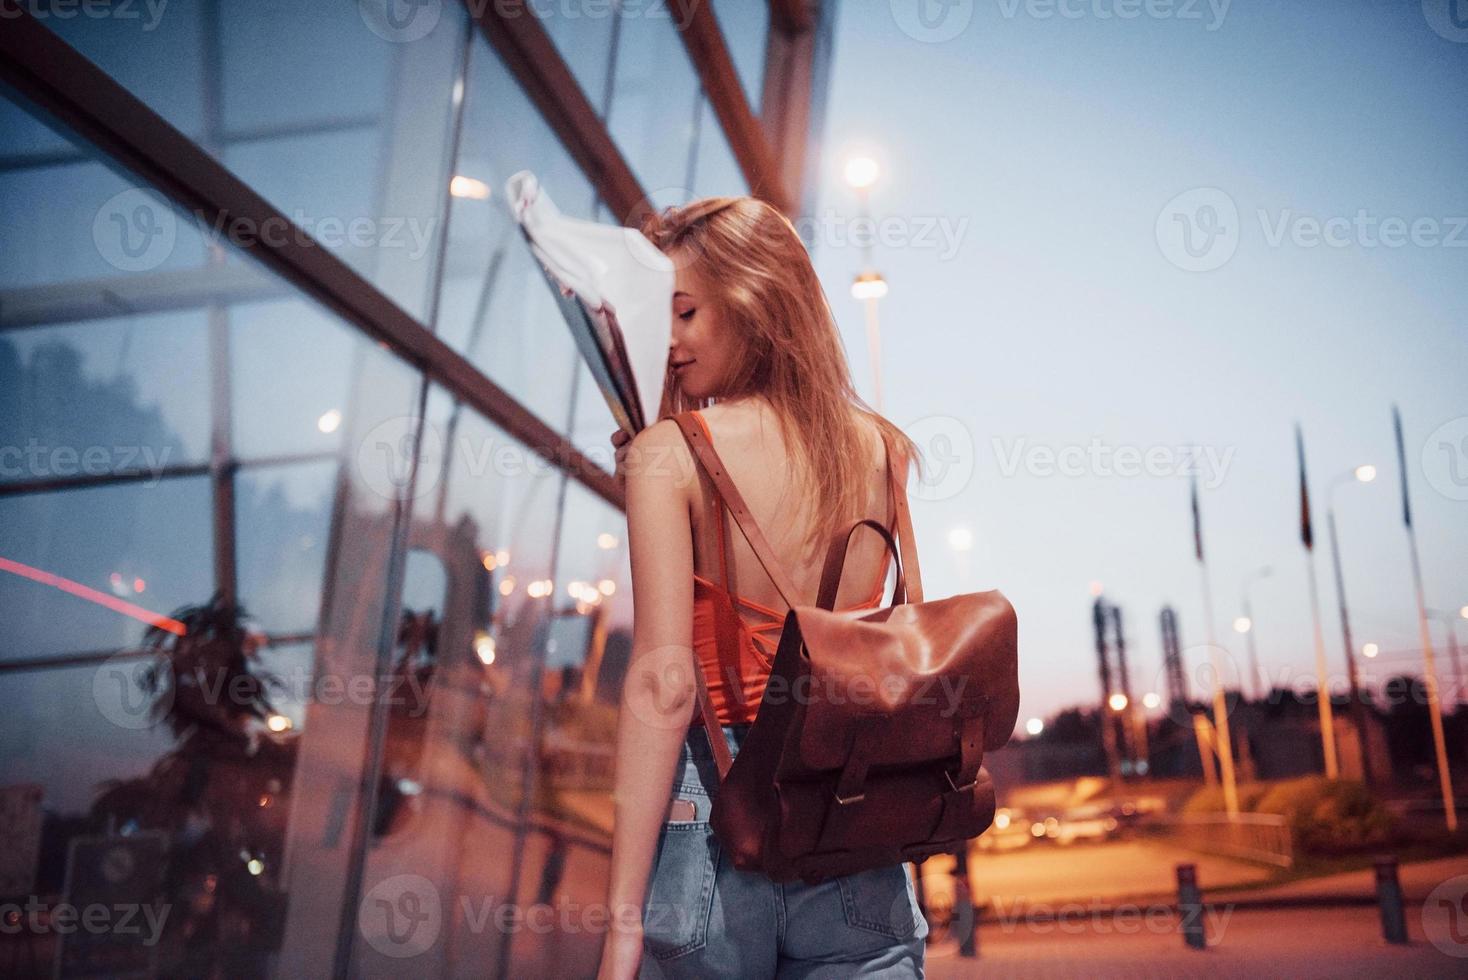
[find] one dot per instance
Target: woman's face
(701, 350)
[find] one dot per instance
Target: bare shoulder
(658, 458)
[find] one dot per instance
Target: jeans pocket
(881, 900)
(675, 918)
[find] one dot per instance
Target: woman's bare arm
(659, 694)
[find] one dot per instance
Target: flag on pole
(1197, 522)
(1402, 466)
(1306, 533)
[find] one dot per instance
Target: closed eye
(686, 315)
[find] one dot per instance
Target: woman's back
(746, 434)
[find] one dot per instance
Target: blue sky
(1054, 150)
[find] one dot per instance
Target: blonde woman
(756, 355)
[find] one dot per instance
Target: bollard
(1190, 906)
(1389, 898)
(964, 921)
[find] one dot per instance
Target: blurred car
(1095, 821)
(1010, 830)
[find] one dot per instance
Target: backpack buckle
(959, 789)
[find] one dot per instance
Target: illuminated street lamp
(1361, 474)
(1117, 701)
(869, 286)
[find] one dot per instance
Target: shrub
(1330, 816)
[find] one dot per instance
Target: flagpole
(1429, 667)
(1224, 744)
(1322, 682)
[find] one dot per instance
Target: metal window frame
(47, 70)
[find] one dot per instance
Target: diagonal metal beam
(705, 43)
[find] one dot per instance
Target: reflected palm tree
(219, 793)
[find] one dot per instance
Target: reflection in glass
(337, 118)
(745, 27)
(497, 309)
(715, 171)
(654, 94)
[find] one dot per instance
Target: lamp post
(1361, 474)
(869, 286)
(1245, 625)
(1450, 623)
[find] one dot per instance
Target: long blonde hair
(787, 348)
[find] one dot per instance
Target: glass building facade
(313, 577)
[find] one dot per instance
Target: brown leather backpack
(869, 742)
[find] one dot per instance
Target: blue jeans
(705, 918)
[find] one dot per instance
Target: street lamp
(1364, 473)
(1245, 624)
(869, 286)
(1450, 622)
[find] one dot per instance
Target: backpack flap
(912, 672)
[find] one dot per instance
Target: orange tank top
(737, 675)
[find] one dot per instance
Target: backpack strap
(909, 586)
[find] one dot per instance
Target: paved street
(1295, 943)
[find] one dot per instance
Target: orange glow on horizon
(92, 595)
